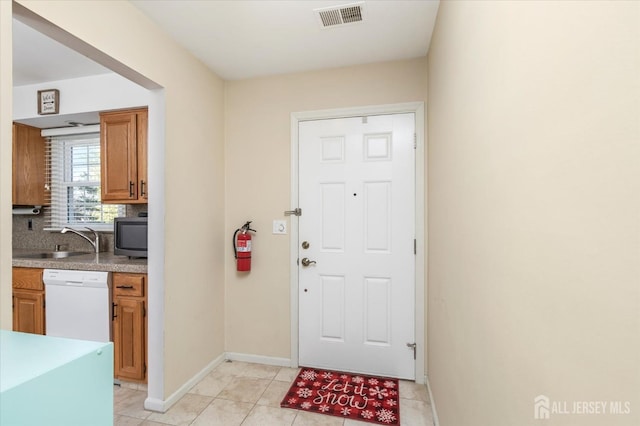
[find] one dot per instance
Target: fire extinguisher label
(243, 246)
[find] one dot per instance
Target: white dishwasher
(78, 304)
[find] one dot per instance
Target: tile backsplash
(38, 239)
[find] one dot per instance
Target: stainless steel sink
(52, 254)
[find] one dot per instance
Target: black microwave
(130, 236)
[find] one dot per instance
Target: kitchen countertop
(103, 261)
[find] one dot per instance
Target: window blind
(73, 183)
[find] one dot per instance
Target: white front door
(356, 244)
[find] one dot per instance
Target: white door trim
(420, 306)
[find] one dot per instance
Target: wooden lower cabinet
(28, 300)
(129, 317)
(130, 326)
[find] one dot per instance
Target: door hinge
(415, 248)
(295, 212)
(415, 140)
(412, 346)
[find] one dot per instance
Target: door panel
(333, 217)
(377, 311)
(377, 217)
(332, 300)
(356, 296)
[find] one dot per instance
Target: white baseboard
(154, 404)
(258, 359)
(436, 421)
(161, 406)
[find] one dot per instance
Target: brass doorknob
(307, 262)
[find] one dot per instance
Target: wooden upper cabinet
(123, 156)
(142, 124)
(28, 166)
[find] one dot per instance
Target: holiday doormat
(347, 395)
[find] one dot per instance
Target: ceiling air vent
(340, 15)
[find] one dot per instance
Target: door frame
(418, 108)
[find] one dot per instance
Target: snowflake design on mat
(385, 416)
(379, 393)
(309, 375)
(351, 396)
(304, 392)
(367, 414)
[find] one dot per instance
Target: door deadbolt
(305, 245)
(307, 262)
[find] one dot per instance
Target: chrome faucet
(95, 244)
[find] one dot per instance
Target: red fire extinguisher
(242, 247)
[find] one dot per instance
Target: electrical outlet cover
(279, 226)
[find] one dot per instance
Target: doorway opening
(155, 156)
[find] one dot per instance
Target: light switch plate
(279, 226)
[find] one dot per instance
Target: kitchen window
(73, 166)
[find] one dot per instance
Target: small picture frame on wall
(48, 101)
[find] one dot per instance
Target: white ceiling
(38, 59)
(243, 39)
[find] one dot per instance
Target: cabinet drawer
(27, 279)
(128, 284)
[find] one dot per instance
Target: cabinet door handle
(142, 188)
(124, 286)
(131, 184)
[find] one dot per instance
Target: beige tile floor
(240, 393)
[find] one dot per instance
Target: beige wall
(258, 181)
(193, 169)
(6, 83)
(534, 207)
